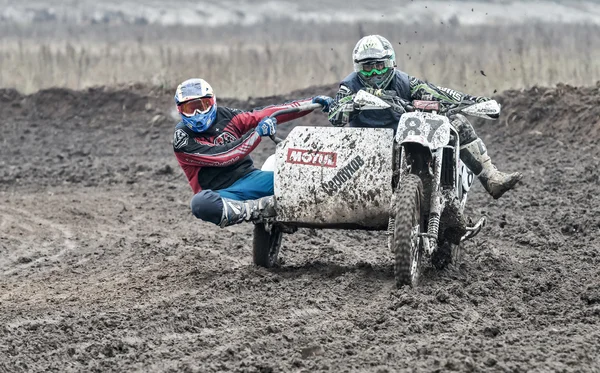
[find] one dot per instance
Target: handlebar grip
(276, 139)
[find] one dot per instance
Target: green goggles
(374, 67)
(375, 71)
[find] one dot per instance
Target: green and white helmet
(374, 61)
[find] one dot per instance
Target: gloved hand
(325, 101)
(267, 126)
(482, 99)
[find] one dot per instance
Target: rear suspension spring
(433, 228)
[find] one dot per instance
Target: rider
(375, 71)
(212, 144)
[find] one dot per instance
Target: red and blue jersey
(216, 158)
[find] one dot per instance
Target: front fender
(412, 140)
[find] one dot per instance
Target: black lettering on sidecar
(343, 176)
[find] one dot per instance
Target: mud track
(103, 267)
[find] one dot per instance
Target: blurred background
(259, 48)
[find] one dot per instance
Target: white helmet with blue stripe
(197, 104)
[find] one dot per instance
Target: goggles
(374, 67)
(196, 106)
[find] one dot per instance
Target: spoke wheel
(407, 245)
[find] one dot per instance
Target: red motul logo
(312, 158)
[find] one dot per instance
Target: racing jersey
(407, 87)
(218, 157)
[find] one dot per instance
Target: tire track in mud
(63, 235)
(25, 221)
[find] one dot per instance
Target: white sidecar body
(334, 177)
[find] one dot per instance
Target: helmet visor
(197, 106)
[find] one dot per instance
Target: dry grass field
(279, 57)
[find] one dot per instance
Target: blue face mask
(201, 122)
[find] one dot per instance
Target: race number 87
(414, 123)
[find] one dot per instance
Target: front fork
(437, 203)
(437, 200)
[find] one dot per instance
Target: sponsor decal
(456, 96)
(343, 175)
(488, 107)
(311, 157)
(180, 139)
(224, 138)
(213, 163)
(426, 105)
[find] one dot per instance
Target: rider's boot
(235, 212)
(476, 158)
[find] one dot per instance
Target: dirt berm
(104, 268)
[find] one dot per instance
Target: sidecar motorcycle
(412, 184)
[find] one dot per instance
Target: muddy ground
(104, 268)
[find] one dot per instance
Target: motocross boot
(476, 158)
(235, 212)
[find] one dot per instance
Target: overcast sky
(213, 13)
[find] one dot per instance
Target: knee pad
(208, 206)
(466, 132)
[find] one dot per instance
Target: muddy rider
(375, 71)
(213, 145)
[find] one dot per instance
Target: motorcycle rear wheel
(407, 245)
(265, 245)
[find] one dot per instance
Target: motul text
(312, 158)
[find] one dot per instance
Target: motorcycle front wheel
(407, 245)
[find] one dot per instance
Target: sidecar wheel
(457, 254)
(407, 244)
(448, 253)
(265, 245)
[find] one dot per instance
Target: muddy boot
(238, 211)
(475, 156)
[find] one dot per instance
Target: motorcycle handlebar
(407, 106)
(451, 109)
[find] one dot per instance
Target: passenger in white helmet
(213, 144)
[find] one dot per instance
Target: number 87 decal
(414, 123)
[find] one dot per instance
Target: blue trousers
(208, 206)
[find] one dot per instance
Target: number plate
(426, 128)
